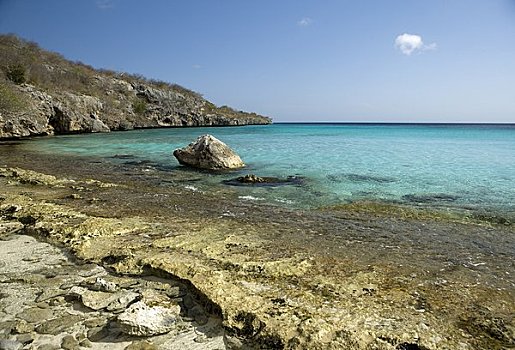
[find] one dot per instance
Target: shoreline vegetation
(279, 278)
(42, 93)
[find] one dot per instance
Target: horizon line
(393, 123)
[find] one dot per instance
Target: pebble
(35, 314)
(25, 338)
(86, 343)
(22, 326)
(69, 343)
(48, 347)
(141, 345)
(58, 325)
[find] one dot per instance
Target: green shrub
(15, 73)
(10, 99)
(139, 106)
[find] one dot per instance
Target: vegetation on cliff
(42, 93)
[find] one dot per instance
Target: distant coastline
(509, 125)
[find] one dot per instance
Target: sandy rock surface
(48, 301)
(294, 280)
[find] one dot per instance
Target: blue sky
(297, 60)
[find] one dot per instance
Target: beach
(354, 277)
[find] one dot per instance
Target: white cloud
(409, 43)
(431, 46)
(306, 21)
(105, 4)
(196, 66)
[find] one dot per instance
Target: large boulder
(207, 152)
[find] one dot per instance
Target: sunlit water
(468, 167)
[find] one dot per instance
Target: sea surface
(382, 269)
(451, 167)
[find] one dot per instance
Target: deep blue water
(441, 166)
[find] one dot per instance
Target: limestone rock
(207, 152)
(6, 344)
(35, 314)
(142, 320)
(102, 285)
(251, 178)
(69, 343)
(58, 325)
(96, 300)
(141, 345)
(254, 180)
(10, 227)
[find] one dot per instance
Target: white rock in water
(207, 152)
(142, 320)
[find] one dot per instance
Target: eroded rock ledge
(52, 301)
(272, 294)
(68, 112)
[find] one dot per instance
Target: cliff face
(41, 93)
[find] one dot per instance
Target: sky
(298, 60)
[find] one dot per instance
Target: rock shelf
(50, 300)
(275, 278)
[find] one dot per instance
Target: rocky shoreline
(50, 300)
(277, 278)
(41, 93)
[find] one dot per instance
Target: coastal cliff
(41, 93)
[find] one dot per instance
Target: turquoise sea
(446, 167)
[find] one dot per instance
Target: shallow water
(438, 166)
(454, 277)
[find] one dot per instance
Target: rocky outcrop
(45, 304)
(143, 320)
(207, 152)
(56, 96)
(254, 180)
(68, 112)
